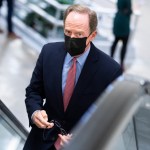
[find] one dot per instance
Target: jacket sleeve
(35, 91)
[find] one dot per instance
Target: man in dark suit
(94, 71)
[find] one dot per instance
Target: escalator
(134, 134)
(12, 132)
(119, 120)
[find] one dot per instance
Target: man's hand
(40, 119)
(65, 139)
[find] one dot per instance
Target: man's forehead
(76, 20)
(75, 16)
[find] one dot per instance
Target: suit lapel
(58, 74)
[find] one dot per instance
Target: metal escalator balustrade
(12, 132)
(119, 120)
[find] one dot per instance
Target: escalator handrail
(13, 119)
(108, 117)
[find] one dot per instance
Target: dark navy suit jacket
(46, 83)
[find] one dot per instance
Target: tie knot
(74, 60)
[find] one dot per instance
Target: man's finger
(64, 139)
(42, 120)
(50, 125)
(39, 117)
(39, 124)
(44, 114)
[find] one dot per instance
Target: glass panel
(126, 141)
(136, 135)
(142, 125)
(129, 137)
(9, 138)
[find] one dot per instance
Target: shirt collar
(81, 59)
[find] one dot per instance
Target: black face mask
(75, 46)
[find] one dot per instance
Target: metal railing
(105, 121)
(12, 133)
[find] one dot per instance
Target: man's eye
(67, 32)
(79, 35)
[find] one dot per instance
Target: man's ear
(93, 35)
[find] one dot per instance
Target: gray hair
(83, 10)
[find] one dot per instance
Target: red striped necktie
(69, 87)
(70, 83)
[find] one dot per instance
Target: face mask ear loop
(89, 41)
